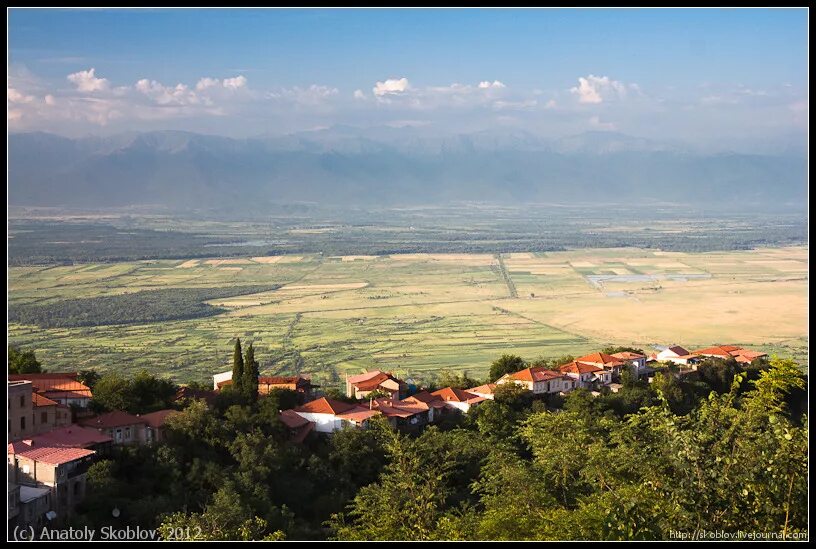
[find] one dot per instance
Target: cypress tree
(250, 383)
(237, 367)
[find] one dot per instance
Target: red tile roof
(56, 456)
(679, 351)
(326, 406)
(39, 400)
(157, 419)
(70, 436)
(292, 419)
(112, 419)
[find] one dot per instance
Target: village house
(329, 415)
(458, 399)
(63, 388)
(539, 380)
(586, 375)
(267, 384)
(298, 384)
(71, 436)
(604, 361)
(637, 362)
(414, 411)
(62, 470)
(741, 355)
(30, 413)
(122, 427)
(485, 391)
(677, 355)
(360, 386)
(154, 425)
(298, 426)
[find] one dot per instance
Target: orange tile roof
(600, 358)
(116, 418)
(726, 351)
(628, 355)
(364, 376)
(487, 389)
(449, 394)
(359, 413)
(576, 367)
(325, 406)
(424, 399)
(535, 374)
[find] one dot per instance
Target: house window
(77, 488)
(22, 423)
(22, 401)
(44, 417)
(26, 469)
(118, 435)
(127, 433)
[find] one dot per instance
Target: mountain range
(389, 166)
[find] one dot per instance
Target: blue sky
(674, 72)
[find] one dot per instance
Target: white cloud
(50, 100)
(168, 95)
(391, 86)
(86, 81)
(358, 94)
(235, 83)
(16, 96)
(495, 84)
(595, 89)
(207, 82)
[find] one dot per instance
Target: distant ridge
(344, 165)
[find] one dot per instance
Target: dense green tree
(22, 362)
(238, 368)
(506, 364)
(405, 504)
(88, 377)
(249, 385)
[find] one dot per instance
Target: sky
(693, 75)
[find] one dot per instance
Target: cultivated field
(418, 314)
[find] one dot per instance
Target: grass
(420, 314)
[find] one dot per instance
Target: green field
(419, 314)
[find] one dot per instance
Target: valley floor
(419, 314)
